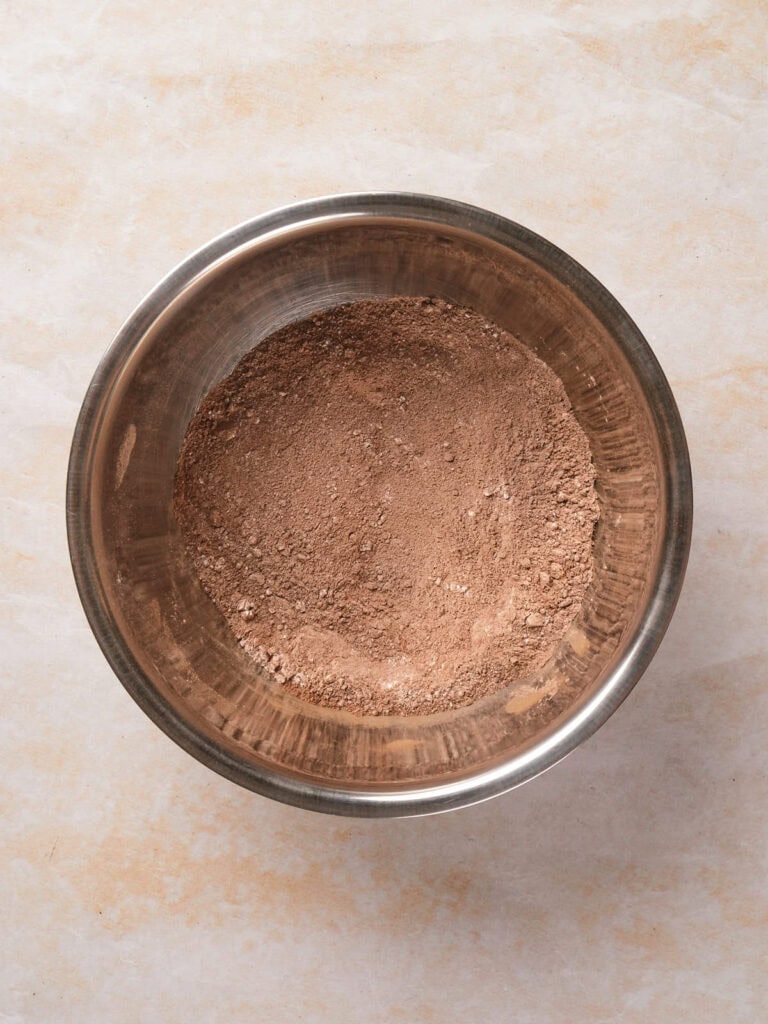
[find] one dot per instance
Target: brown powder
(392, 504)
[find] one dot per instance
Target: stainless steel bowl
(168, 643)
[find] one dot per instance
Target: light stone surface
(629, 883)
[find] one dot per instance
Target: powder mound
(393, 504)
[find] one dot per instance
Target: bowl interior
(169, 642)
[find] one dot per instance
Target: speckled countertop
(629, 883)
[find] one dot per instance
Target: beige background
(629, 883)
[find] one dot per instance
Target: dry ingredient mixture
(392, 504)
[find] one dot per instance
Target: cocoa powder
(393, 504)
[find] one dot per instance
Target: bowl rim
(574, 728)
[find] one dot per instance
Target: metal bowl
(166, 640)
